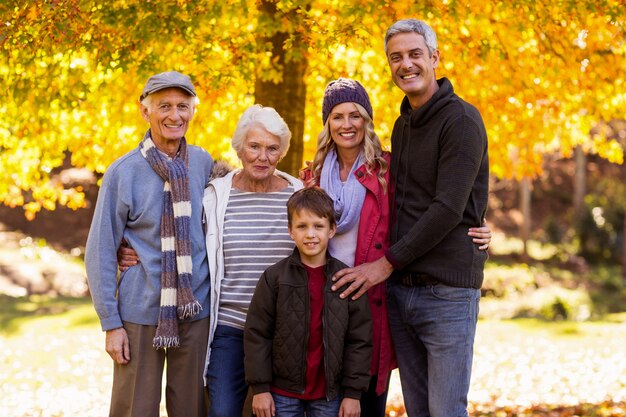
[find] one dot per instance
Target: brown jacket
(277, 330)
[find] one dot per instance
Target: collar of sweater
(422, 116)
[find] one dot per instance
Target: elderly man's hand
(361, 278)
(118, 346)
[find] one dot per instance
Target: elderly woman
(354, 170)
(246, 232)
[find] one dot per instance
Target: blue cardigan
(129, 206)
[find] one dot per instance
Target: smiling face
(311, 234)
(169, 113)
(259, 154)
(412, 67)
(347, 126)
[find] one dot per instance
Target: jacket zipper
(325, 342)
(307, 327)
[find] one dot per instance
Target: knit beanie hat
(345, 90)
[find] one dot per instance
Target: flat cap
(165, 80)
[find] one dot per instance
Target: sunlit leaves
(541, 73)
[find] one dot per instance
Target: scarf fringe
(162, 342)
(189, 310)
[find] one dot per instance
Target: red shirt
(372, 242)
(315, 375)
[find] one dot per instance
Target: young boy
(307, 351)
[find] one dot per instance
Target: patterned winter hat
(345, 90)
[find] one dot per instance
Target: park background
(547, 76)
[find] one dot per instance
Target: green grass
(560, 330)
(48, 313)
(551, 283)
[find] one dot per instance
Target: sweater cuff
(110, 323)
(260, 388)
(392, 259)
(352, 393)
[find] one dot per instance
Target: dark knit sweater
(440, 170)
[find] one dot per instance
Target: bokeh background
(547, 76)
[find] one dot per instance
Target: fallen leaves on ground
(554, 370)
(517, 372)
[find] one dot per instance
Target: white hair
(147, 101)
(267, 118)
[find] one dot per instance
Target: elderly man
(157, 310)
(440, 170)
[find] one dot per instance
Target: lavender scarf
(348, 197)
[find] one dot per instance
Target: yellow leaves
(45, 195)
(611, 150)
(538, 94)
(33, 13)
(12, 195)
(541, 73)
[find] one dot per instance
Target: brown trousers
(137, 385)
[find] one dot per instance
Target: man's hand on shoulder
(361, 278)
(118, 346)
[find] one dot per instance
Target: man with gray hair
(440, 171)
(157, 310)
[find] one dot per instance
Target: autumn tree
(280, 81)
(542, 73)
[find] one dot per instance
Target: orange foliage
(541, 72)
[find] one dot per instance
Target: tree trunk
(580, 183)
(289, 94)
(525, 194)
(624, 234)
(624, 251)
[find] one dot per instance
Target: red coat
(372, 242)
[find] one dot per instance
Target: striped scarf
(177, 300)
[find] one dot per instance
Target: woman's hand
(126, 256)
(481, 235)
(303, 172)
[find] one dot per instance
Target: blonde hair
(372, 150)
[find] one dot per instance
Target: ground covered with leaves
(52, 363)
(537, 369)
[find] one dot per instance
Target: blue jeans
(433, 330)
(225, 376)
(295, 407)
